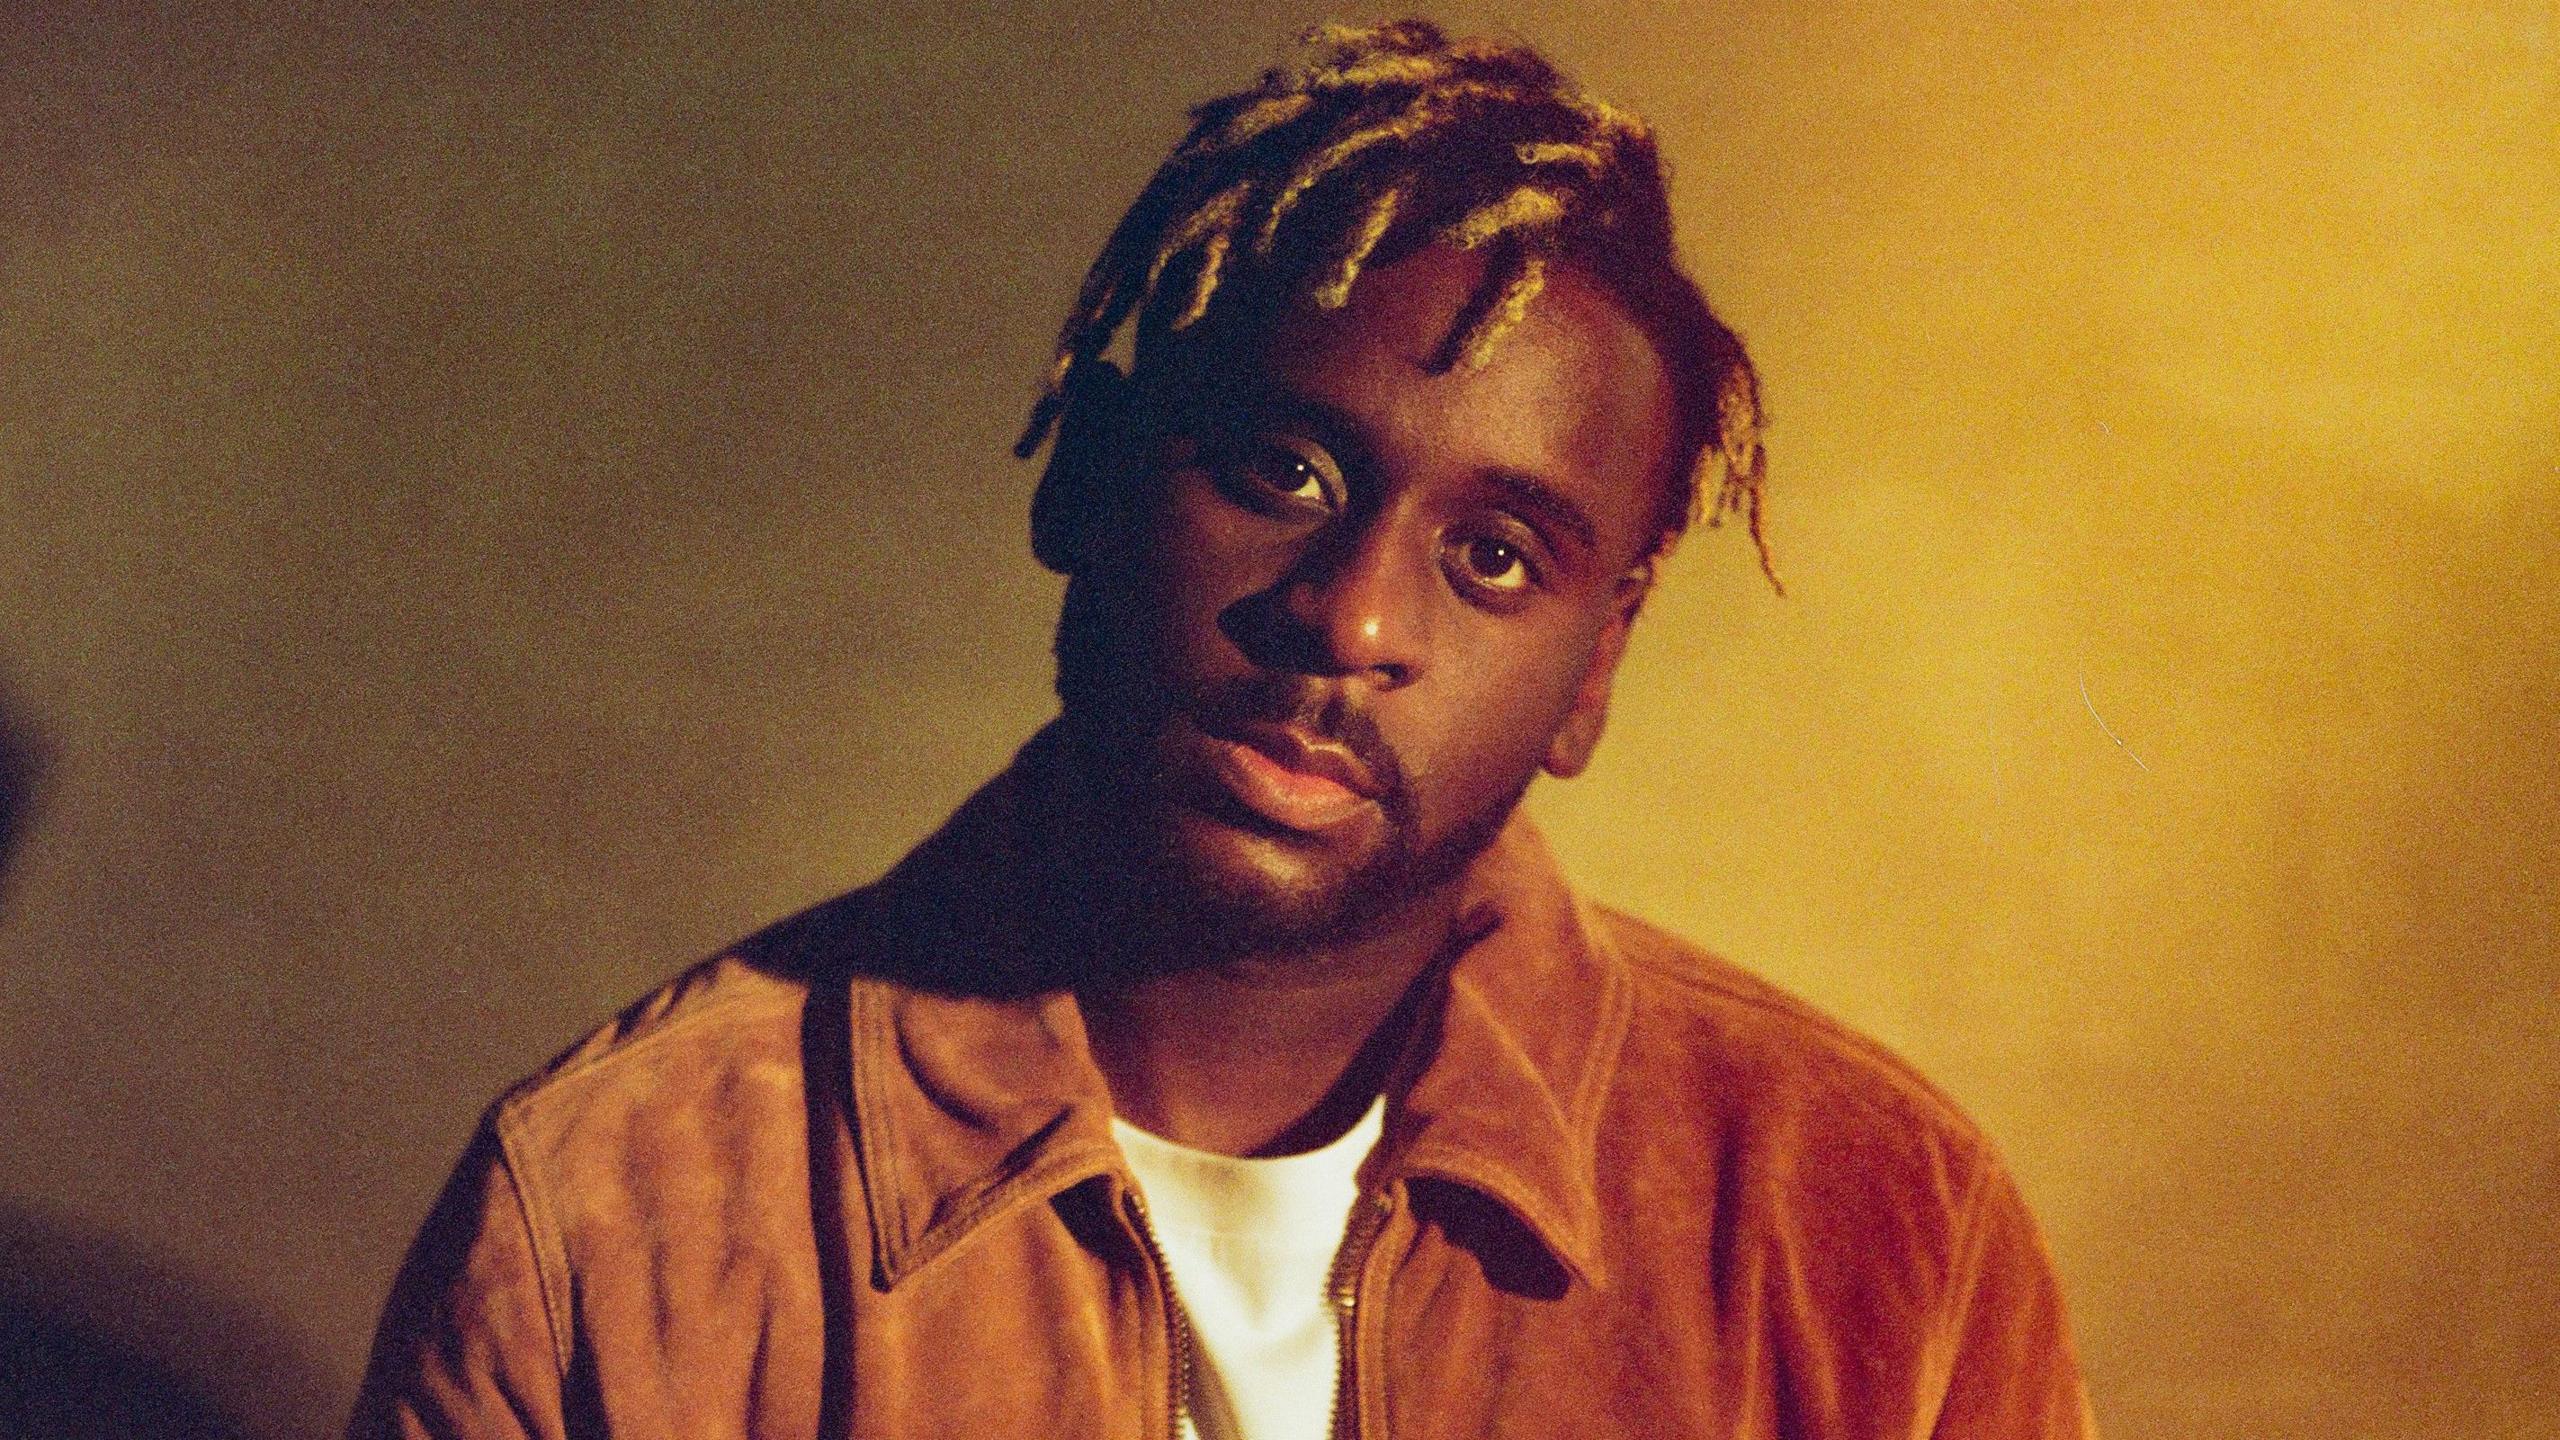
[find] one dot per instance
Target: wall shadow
(101, 1341)
(22, 765)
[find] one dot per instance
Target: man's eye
(1288, 473)
(1489, 564)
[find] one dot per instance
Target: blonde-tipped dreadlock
(1381, 139)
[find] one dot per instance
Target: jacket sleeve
(2013, 1375)
(466, 1349)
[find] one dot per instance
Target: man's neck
(1257, 1054)
(1268, 1055)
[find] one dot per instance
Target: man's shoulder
(1812, 1153)
(613, 1198)
(724, 1035)
(1765, 1058)
(732, 1024)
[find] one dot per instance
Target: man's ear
(1087, 466)
(1579, 736)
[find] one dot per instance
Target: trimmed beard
(1151, 895)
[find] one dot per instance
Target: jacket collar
(967, 1106)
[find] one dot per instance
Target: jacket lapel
(1509, 1083)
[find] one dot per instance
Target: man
(1238, 1063)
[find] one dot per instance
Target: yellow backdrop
(496, 504)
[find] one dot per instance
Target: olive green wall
(496, 504)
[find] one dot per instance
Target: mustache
(1305, 703)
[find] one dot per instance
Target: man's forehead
(1574, 354)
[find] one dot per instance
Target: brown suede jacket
(815, 1188)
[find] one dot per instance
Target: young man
(1238, 1063)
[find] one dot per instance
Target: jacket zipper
(1177, 1326)
(1343, 1288)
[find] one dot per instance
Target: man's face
(1355, 606)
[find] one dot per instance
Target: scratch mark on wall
(2102, 724)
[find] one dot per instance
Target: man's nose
(1355, 602)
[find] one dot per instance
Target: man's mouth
(1292, 778)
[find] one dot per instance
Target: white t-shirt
(1251, 1244)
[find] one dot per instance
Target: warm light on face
(1330, 532)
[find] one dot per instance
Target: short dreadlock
(1385, 138)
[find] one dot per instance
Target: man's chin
(1233, 888)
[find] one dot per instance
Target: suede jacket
(815, 1188)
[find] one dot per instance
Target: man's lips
(1291, 778)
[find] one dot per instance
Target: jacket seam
(550, 1266)
(1963, 1280)
(1602, 1067)
(1964, 1266)
(1598, 1078)
(547, 1088)
(885, 1196)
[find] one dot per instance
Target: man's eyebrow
(1546, 503)
(1280, 405)
(1337, 429)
